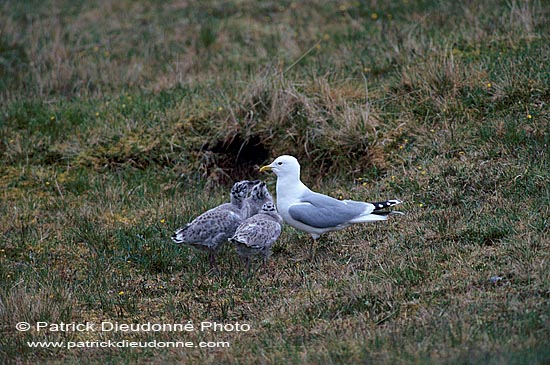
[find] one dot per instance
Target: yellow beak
(265, 168)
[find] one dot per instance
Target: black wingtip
(236, 242)
(385, 204)
(175, 238)
(387, 213)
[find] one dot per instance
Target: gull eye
(279, 163)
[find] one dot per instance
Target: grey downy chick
(256, 235)
(258, 197)
(210, 230)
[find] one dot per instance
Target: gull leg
(258, 267)
(312, 249)
(265, 253)
(213, 264)
(263, 264)
(307, 256)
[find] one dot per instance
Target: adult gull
(316, 213)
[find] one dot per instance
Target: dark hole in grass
(239, 158)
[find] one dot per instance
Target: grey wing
(321, 211)
(257, 233)
(211, 224)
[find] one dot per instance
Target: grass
(121, 122)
